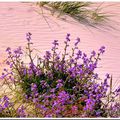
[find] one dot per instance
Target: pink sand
(16, 19)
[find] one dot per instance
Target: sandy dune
(16, 19)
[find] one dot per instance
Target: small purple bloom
(21, 112)
(52, 90)
(102, 49)
(59, 85)
(59, 80)
(7, 62)
(6, 104)
(48, 55)
(35, 100)
(5, 69)
(78, 40)
(28, 36)
(93, 53)
(89, 104)
(8, 49)
(107, 76)
(79, 54)
(67, 37)
(55, 42)
(11, 65)
(71, 61)
(33, 87)
(24, 71)
(95, 76)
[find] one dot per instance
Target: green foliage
(78, 10)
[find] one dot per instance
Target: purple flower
(44, 84)
(26, 96)
(105, 81)
(93, 53)
(55, 103)
(28, 36)
(98, 113)
(21, 112)
(57, 57)
(52, 90)
(18, 51)
(89, 104)
(48, 116)
(79, 54)
(6, 70)
(59, 85)
(8, 49)
(71, 61)
(7, 62)
(6, 104)
(43, 107)
(107, 76)
(35, 100)
(55, 43)
(118, 90)
(38, 72)
(95, 76)
(25, 71)
(67, 37)
(78, 40)
(33, 87)
(48, 55)
(30, 72)
(63, 97)
(11, 78)
(5, 98)
(59, 80)
(1, 108)
(114, 110)
(92, 66)
(4, 75)
(102, 49)
(11, 65)
(71, 70)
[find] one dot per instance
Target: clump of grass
(78, 10)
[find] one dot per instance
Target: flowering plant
(58, 85)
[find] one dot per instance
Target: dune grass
(80, 11)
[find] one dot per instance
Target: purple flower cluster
(7, 108)
(21, 112)
(4, 103)
(90, 103)
(59, 85)
(114, 110)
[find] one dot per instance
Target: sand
(16, 19)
